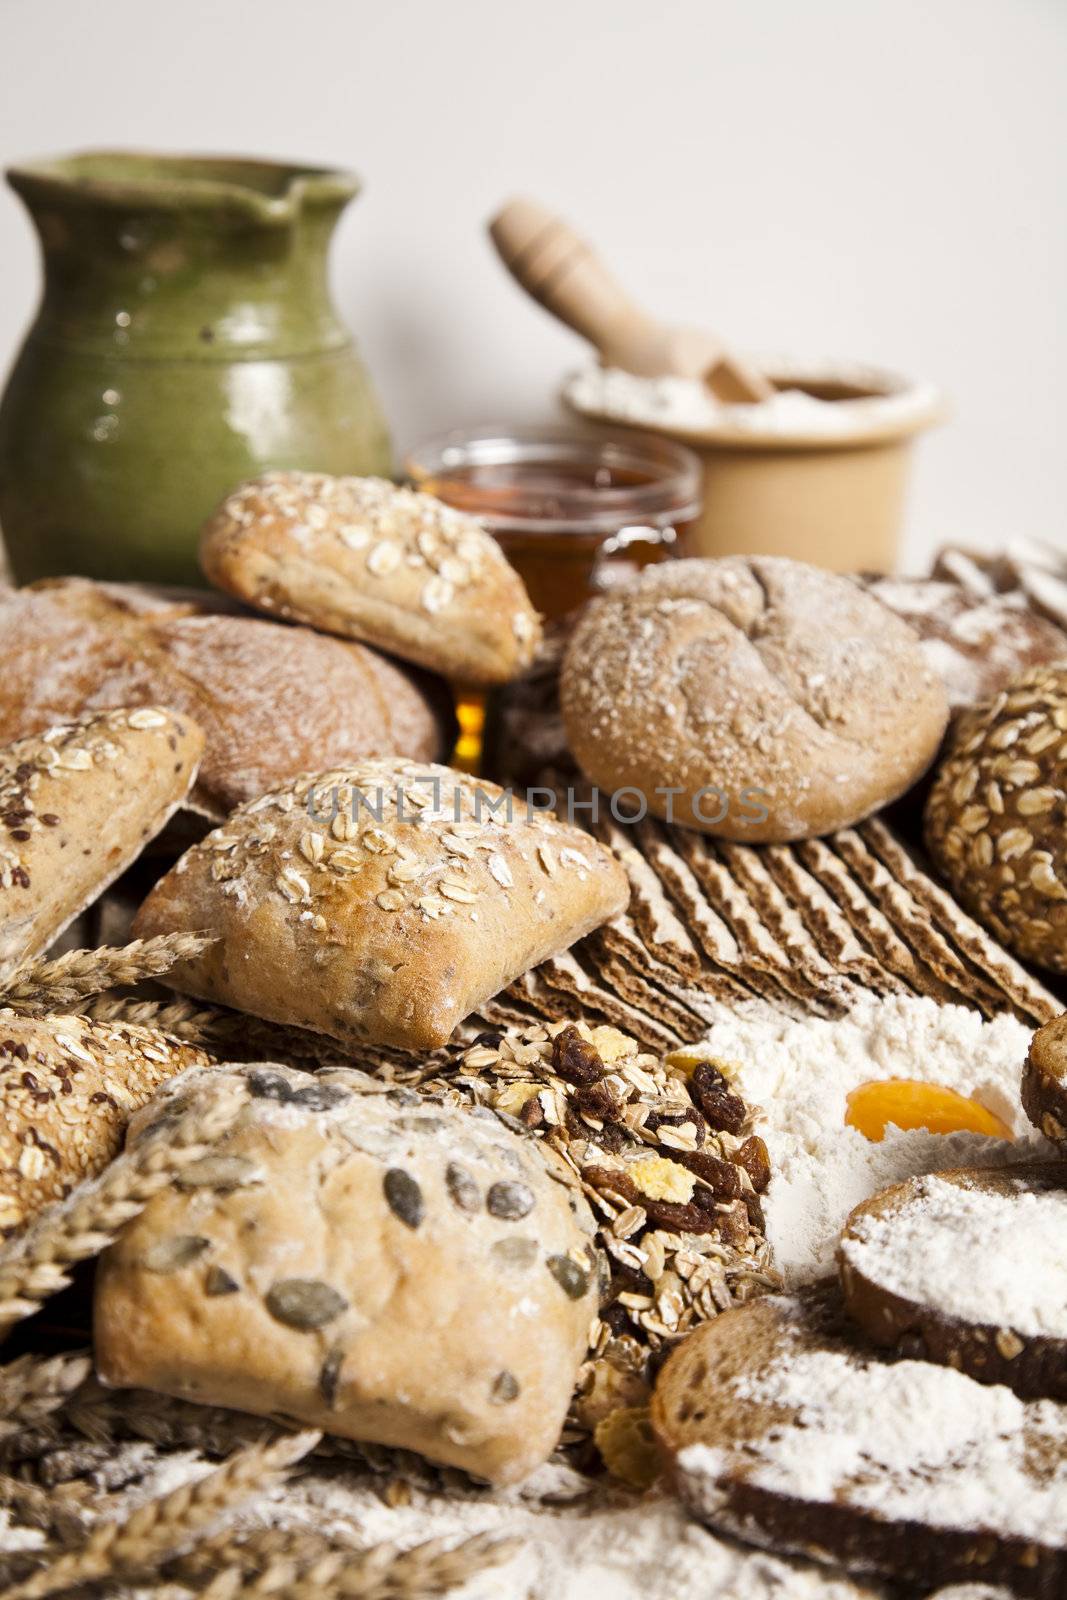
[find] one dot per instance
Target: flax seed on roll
(775, 700)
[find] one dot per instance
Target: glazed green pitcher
(185, 341)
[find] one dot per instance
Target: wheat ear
(381, 1573)
(33, 1267)
(32, 1387)
(52, 985)
(148, 1536)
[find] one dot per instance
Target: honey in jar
(572, 511)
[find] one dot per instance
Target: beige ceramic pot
(822, 484)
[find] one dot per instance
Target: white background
(878, 179)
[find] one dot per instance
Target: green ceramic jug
(185, 340)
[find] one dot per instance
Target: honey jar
(573, 511)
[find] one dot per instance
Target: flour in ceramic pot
(926, 1250)
(800, 1072)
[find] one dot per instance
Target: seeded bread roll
(77, 805)
(907, 1266)
(67, 1089)
(780, 1430)
(381, 1264)
(364, 559)
(272, 701)
(995, 817)
(775, 700)
(380, 903)
(1045, 1081)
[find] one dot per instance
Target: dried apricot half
(909, 1104)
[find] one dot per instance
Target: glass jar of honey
(573, 511)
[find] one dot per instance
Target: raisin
(598, 1100)
(574, 1059)
(613, 1181)
(720, 1176)
(723, 1110)
(754, 1157)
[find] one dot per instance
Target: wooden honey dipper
(564, 274)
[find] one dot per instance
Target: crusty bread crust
(751, 675)
(67, 1089)
(700, 1400)
(364, 559)
(371, 926)
(272, 701)
(1035, 1367)
(414, 1275)
(78, 804)
(1044, 1090)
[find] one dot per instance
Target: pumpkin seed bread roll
(67, 1089)
(78, 804)
(361, 558)
(381, 903)
(381, 1264)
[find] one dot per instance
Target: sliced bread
(967, 1269)
(1045, 1080)
(782, 1430)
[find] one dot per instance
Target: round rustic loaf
(995, 816)
(775, 701)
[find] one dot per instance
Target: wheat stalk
(252, 1551)
(155, 1531)
(103, 1415)
(182, 1019)
(33, 1267)
(32, 1387)
(53, 985)
(381, 1573)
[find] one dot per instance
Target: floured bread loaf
(382, 902)
(364, 559)
(381, 1264)
(67, 1089)
(976, 643)
(968, 1269)
(781, 1432)
(272, 701)
(1045, 1081)
(78, 803)
(755, 698)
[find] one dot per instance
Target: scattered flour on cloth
(800, 1072)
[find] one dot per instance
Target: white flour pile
(800, 1074)
(926, 1251)
(686, 405)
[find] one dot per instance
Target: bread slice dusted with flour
(1045, 1080)
(968, 1269)
(780, 1429)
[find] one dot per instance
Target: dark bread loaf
(781, 1430)
(968, 1269)
(272, 700)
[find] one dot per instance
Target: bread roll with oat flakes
(78, 803)
(380, 903)
(67, 1089)
(752, 675)
(384, 1265)
(272, 701)
(364, 559)
(994, 821)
